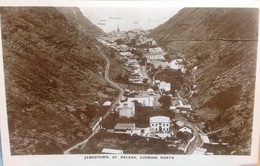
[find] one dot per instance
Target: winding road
(111, 83)
(112, 106)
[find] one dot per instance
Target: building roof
(150, 90)
(107, 103)
(199, 151)
(159, 119)
(127, 104)
(185, 129)
(124, 126)
(179, 123)
(204, 138)
(112, 151)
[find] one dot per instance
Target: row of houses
(126, 107)
(158, 124)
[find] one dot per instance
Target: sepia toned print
(114, 82)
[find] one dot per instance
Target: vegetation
(225, 75)
(165, 100)
(53, 75)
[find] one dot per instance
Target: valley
(185, 87)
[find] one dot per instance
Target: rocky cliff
(222, 44)
(53, 75)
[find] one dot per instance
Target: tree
(182, 136)
(165, 101)
(145, 81)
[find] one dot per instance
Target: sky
(128, 18)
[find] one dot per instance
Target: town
(152, 108)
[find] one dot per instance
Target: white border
(78, 160)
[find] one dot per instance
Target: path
(144, 72)
(111, 83)
(111, 108)
(212, 132)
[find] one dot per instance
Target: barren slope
(53, 75)
(222, 43)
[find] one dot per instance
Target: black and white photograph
(139, 83)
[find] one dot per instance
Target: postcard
(129, 82)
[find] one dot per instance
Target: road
(197, 142)
(111, 83)
(79, 144)
(111, 108)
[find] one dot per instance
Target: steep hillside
(222, 43)
(53, 75)
(76, 18)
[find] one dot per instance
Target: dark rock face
(222, 43)
(53, 75)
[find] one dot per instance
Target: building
(179, 124)
(126, 109)
(204, 139)
(124, 127)
(160, 124)
(112, 151)
(199, 151)
(145, 100)
(107, 103)
(185, 129)
(176, 65)
(165, 86)
(126, 54)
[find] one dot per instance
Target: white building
(157, 50)
(175, 64)
(126, 54)
(160, 124)
(107, 103)
(199, 151)
(204, 139)
(165, 86)
(147, 101)
(185, 129)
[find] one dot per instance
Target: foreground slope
(222, 44)
(53, 75)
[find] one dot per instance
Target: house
(150, 91)
(124, 127)
(179, 123)
(180, 104)
(204, 139)
(165, 86)
(112, 151)
(147, 101)
(199, 151)
(126, 54)
(126, 109)
(175, 64)
(160, 124)
(107, 103)
(185, 129)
